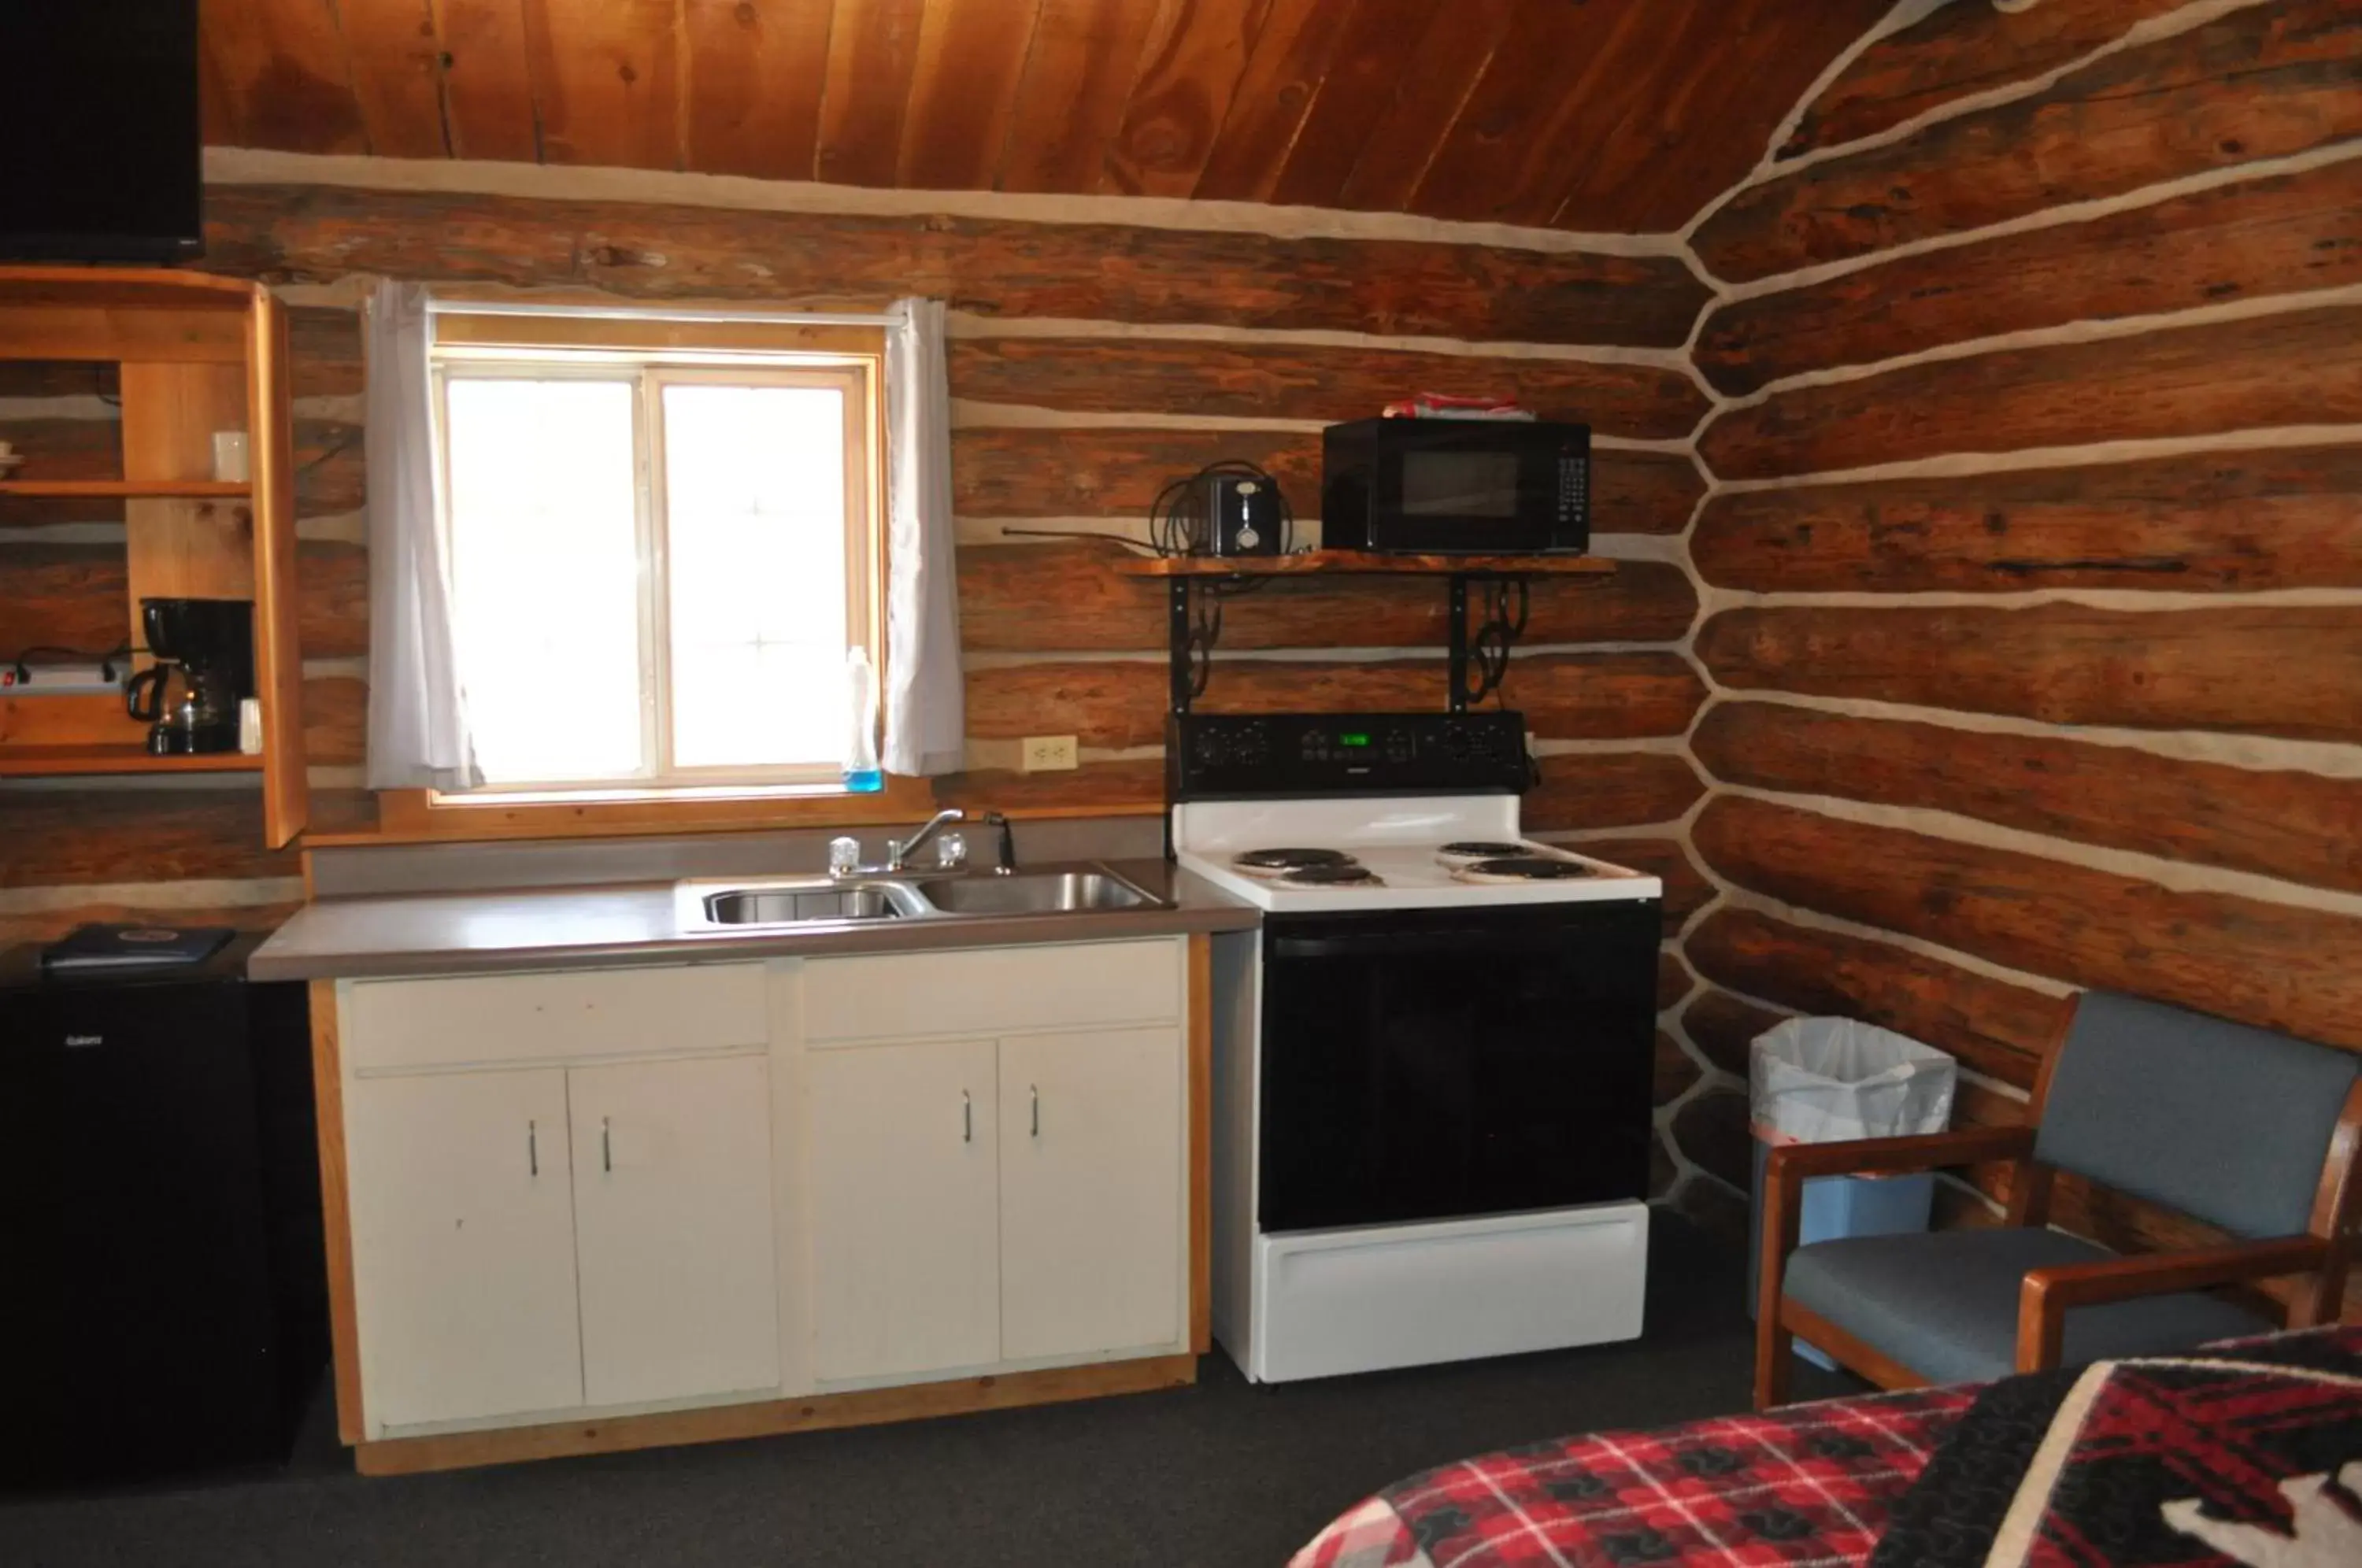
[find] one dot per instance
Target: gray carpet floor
(1220, 1475)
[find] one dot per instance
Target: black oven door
(1421, 1065)
(1478, 487)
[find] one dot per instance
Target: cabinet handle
(967, 1116)
(533, 1149)
(1036, 1089)
(606, 1146)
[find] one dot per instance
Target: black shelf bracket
(1193, 624)
(1476, 658)
(1506, 606)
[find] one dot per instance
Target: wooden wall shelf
(1314, 563)
(61, 761)
(180, 490)
(171, 488)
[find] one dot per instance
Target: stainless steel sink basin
(715, 905)
(1034, 893)
(787, 903)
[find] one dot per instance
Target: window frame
(654, 353)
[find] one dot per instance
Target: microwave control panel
(1574, 492)
(1217, 756)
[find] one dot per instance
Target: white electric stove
(1365, 853)
(1432, 1062)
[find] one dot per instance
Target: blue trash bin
(1830, 1080)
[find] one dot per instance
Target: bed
(2175, 1454)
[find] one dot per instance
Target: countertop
(633, 923)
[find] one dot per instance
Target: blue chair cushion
(1944, 1303)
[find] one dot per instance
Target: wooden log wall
(2032, 559)
(1092, 363)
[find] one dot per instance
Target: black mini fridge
(162, 1299)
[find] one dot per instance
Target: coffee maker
(211, 643)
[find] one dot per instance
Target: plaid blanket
(2244, 1451)
(1806, 1486)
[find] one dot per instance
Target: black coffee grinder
(211, 642)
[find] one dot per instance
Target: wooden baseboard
(772, 1418)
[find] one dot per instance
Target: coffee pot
(210, 644)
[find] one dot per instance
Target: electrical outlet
(1046, 753)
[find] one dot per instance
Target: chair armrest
(1889, 1156)
(2045, 1295)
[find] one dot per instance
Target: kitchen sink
(713, 905)
(789, 903)
(1035, 893)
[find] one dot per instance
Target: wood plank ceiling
(1595, 115)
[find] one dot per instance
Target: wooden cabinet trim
(772, 1418)
(335, 1212)
(1200, 1189)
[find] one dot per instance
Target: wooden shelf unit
(195, 354)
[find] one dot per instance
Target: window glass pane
(544, 576)
(755, 548)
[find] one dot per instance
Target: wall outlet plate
(1047, 754)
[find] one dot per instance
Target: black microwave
(1456, 487)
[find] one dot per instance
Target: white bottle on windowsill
(861, 772)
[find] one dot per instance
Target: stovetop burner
(1349, 874)
(1466, 850)
(1284, 862)
(1525, 869)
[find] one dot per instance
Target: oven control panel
(1215, 756)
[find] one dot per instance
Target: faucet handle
(843, 854)
(951, 851)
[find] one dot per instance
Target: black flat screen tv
(100, 120)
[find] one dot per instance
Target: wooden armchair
(2257, 1134)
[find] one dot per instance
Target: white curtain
(925, 706)
(417, 720)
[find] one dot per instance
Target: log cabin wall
(2033, 560)
(1093, 358)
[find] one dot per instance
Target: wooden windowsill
(420, 816)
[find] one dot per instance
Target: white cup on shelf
(229, 457)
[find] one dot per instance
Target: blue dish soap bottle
(862, 775)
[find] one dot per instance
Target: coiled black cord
(1488, 648)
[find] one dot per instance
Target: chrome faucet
(899, 852)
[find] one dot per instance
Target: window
(663, 540)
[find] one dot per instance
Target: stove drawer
(990, 991)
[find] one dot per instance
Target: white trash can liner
(1830, 1080)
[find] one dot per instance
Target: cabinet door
(905, 1258)
(463, 1245)
(672, 1211)
(1091, 1219)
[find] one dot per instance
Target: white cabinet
(905, 1246)
(535, 1239)
(673, 1229)
(995, 1148)
(463, 1245)
(1092, 1209)
(639, 1189)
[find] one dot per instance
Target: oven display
(1363, 739)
